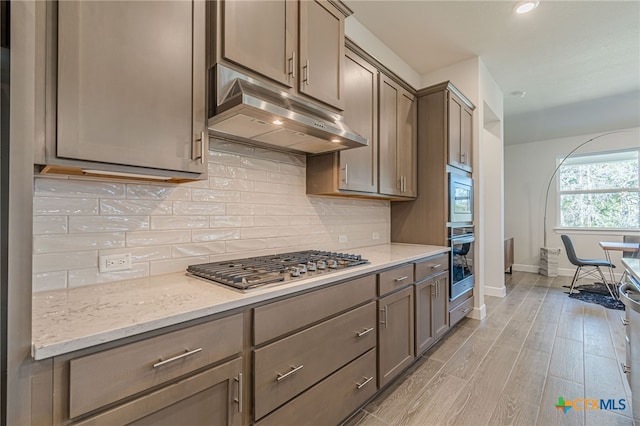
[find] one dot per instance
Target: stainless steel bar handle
(437, 288)
(384, 311)
(365, 331)
(401, 278)
(292, 65)
(463, 158)
(346, 174)
(624, 321)
(238, 400)
(436, 266)
(363, 384)
(306, 72)
(203, 145)
(625, 368)
(285, 375)
(177, 357)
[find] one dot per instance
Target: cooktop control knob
(311, 266)
(302, 267)
(295, 272)
(322, 264)
(333, 264)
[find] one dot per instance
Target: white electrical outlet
(115, 262)
(342, 239)
(375, 236)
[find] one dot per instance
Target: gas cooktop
(254, 272)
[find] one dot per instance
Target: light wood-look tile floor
(535, 345)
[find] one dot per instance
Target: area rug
(597, 293)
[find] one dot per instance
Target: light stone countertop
(633, 266)
(68, 320)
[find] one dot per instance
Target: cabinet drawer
(105, 377)
(394, 279)
(276, 319)
(287, 367)
(460, 311)
(432, 266)
(344, 391)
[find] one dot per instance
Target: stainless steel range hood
(253, 111)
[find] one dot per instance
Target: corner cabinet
(299, 44)
(398, 140)
(125, 89)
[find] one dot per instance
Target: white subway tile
(142, 254)
(156, 192)
(281, 157)
(218, 234)
(193, 208)
(272, 188)
(156, 238)
(197, 249)
(46, 281)
(290, 210)
(231, 147)
(216, 195)
(179, 222)
(231, 221)
(290, 169)
(73, 188)
(49, 225)
(260, 164)
(301, 220)
(90, 276)
(175, 265)
(244, 173)
(258, 198)
(246, 209)
(64, 206)
(245, 245)
(77, 242)
(135, 207)
(231, 184)
(293, 199)
(283, 242)
(286, 231)
(196, 184)
(272, 220)
(258, 232)
(318, 240)
(224, 158)
(286, 179)
(64, 261)
(107, 223)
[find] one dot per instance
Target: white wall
(528, 168)
(253, 203)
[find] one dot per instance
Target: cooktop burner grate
(253, 272)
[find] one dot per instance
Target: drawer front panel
(287, 367)
(432, 266)
(105, 377)
(341, 393)
(276, 319)
(394, 279)
(460, 311)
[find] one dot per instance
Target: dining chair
(593, 264)
(631, 239)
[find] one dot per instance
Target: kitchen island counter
(68, 320)
(632, 266)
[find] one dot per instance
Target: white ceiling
(577, 61)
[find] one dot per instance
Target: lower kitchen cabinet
(212, 397)
(395, 334)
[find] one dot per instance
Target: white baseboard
(478, 313)
(495, 291)
(526, 268)
(563, 272)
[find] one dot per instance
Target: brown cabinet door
(407, 143)
(211, 397)
(359, 167)
(460, 133)
(260, 35)
(321, 51)
(424, 326)
(440, 304)
(130, 83)
(395, 338)
(388, 172)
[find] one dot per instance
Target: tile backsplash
(253, 203)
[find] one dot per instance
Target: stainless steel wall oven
(460, 198)
(461, 241)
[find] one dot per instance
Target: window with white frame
(600, 190)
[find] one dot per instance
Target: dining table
(609, 246)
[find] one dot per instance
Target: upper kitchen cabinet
(458, 130)
(398, 139)
(299, 44)
(125, 89)
(352, 171)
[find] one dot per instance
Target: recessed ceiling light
(518, 94)
(526, 6)
(277, 122)
(335, 140)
